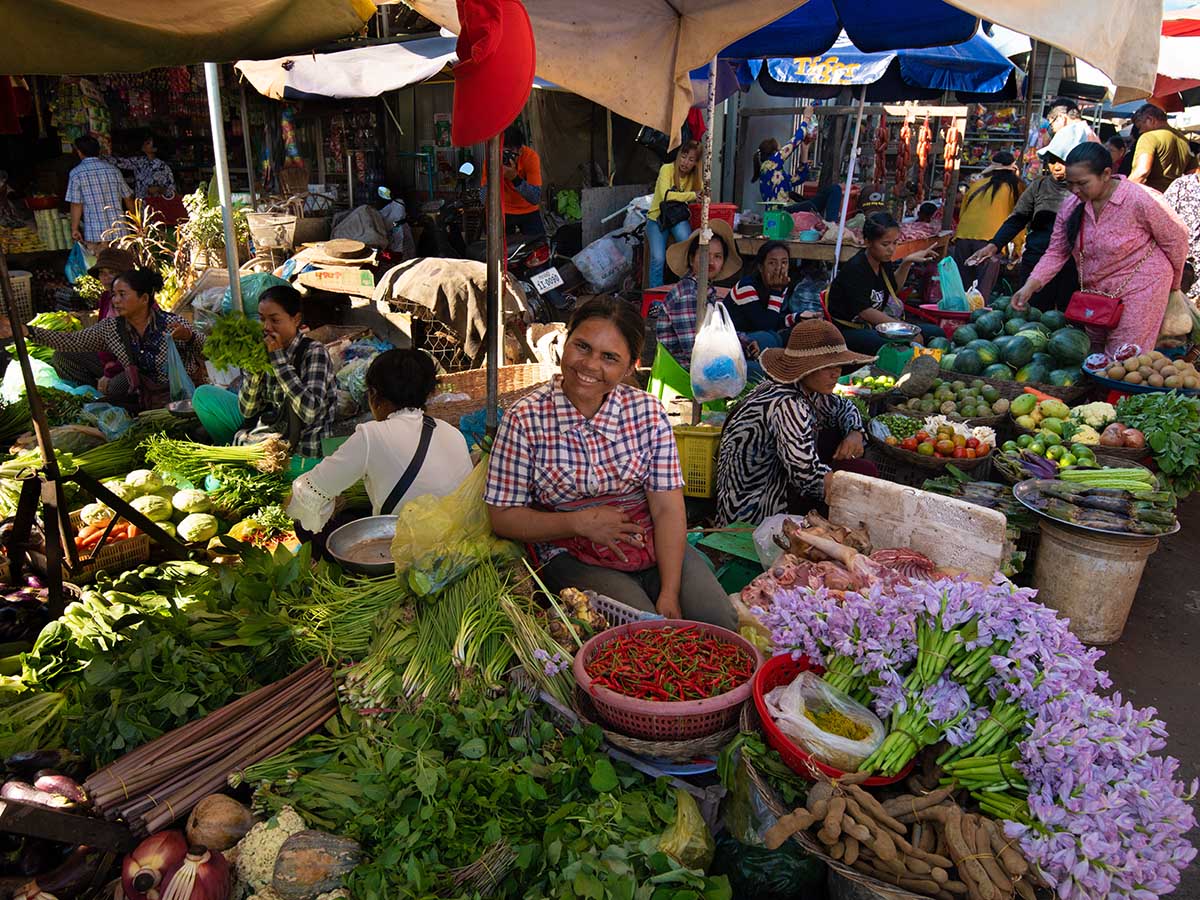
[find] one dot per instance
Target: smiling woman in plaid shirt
(586, 470)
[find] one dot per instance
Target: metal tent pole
(221, 174)
(495, 281)
(837, 250)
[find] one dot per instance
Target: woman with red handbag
(586, 470)
(1129, 245)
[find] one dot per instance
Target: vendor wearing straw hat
(781, 441)
(675, 324)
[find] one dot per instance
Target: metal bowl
(898, 331)
(364, 545)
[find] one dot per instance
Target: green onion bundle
(14, 419)
(194, 462)
(335, 618)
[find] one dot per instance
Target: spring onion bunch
(335, 618)
(194, 462)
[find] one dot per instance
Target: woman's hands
(851, 446)
(1020, 300)
(921, 256)
(609, 527)
(181, 332)
(983, 254)
(668, 606)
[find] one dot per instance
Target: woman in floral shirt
(1184, 197)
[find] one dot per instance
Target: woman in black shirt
(865, 291)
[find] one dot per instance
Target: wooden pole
(495, 282)
(705, 231)
(837, 251)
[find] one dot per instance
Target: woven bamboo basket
(513, 383)
(928, 463)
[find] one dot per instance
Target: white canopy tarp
(634, 56)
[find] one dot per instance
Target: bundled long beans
(161, 781)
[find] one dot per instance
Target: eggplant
(62, 786)
(27, 793)
(37, 856)
(67, 880)
(32, 760)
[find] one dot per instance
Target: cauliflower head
(254, 855)
(1097, 415)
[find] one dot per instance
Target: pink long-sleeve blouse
(1135, 226)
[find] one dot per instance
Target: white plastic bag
(604, 262)
(764, 538)
(787, 705)
(718, 363)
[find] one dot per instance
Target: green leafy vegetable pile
(51, 321)
(236, 341)
(489, 801)
(1171, 423)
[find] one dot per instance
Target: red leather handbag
(1093, 308)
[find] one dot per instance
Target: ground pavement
(1157, 661)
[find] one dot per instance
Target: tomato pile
(945, 443)
(670, 664)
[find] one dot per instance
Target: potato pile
(948, 853)
(1155, 370)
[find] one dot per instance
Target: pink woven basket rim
(672, 709)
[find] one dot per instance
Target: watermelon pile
(1030, 347)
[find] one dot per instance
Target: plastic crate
(725, 211)
(615, 612)
(22, 285)
(698, 458)
(120, 555)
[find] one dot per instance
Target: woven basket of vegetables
(920, 461)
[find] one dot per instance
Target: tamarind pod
(923, 885)
(960, 833)
(822, 790)
(938, 874)
(899, 805)
(943, 895)
(916, 853)
(852, 778)
(894, 866)
(918, 834)
(833, 819)
(911, 804)
(916, 784)
(941, 847)
(928, 843)
(954, 887)
(855, 828)
(991, 865)
(1025, 889)
(788, 825)
(852, 850)
(918, 866)
(875, 808)
(837, 849)
(819, 809)
(1010, 858)
(885, 847)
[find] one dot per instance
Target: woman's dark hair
(143, 281)
(623, 314)
(404, 378)
(767, 249)
(877, 225)
(1117, 142)
(514, 136)
(1002, 177)
(285, 295)
(765, 151)
(694, 247)
(1095, 158)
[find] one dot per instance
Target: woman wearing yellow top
(989, 201)
(678, 185)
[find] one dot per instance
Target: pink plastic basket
(666, 721)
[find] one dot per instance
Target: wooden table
(748, 247)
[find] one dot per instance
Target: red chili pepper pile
(670, 664)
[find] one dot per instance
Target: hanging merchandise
(291, 148)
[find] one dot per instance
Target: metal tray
(897, 331)
(373, 528)
(1022, 491)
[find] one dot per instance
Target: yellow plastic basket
(698, 458)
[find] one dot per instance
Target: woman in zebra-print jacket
(769, 445)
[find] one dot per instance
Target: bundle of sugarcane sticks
(160, 782)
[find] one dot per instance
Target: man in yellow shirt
(521, 190)
(1162, 154)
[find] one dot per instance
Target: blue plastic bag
(182, 387)
(954, 295)
(113, 421)
(78, 263)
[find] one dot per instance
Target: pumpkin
(218, 822)
(313, 862)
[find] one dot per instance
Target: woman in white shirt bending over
(403, 454)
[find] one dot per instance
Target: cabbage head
(125, 491)
(153, 507)
(197, 527)
(191, 500)
(95, 513)
(144, 481)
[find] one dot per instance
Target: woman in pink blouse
(1126, 240)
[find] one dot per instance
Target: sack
(1177, 321)
(604, 262)
(78, 263)
(809, 693)
(1095, 310)
(672, 213)
(718, 363)
(954, 295)
(178, 380)
(637, 559)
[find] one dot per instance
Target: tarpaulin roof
(635, 56)
(79, 37)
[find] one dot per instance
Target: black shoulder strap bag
(414, 468)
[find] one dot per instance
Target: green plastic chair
(669, 380)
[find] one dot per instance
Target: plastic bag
(112, 420)
(784, 874)
(78, 263)
(352, 378)
(974, 297)
(252, 288)
(954, 295)
(718, 363)
(1177, 320)
(688, 841)
(764, 538)
(604, 262)
(440, 539)
(13, 387)
(809, 693)
(182, 387)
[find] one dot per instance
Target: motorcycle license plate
(547, 281)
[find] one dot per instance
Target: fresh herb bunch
(62, 407)
(236, 341)
(88, 287)
(1171, 423)
(204, 227)
(14, 419)
(429, 795)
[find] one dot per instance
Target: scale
(777, 221)
(895, 354)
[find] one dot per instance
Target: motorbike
(441, 221)
(548, 280)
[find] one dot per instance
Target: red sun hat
(494, 74)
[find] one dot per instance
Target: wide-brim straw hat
(677, 254)
(813, 344)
